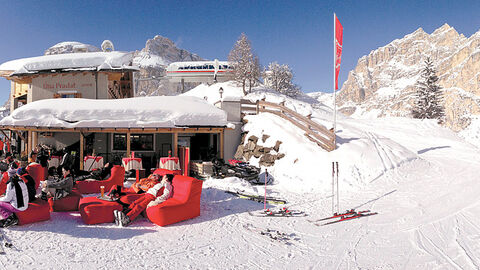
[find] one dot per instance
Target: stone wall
(253, 148)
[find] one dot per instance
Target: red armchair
(185, 203)
(3, 183)
(116, 178)
(37, 172)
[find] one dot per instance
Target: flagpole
(334, 91)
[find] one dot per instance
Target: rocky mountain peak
(384, 81)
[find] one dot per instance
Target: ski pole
(338, 192)
(265, 200)
(333, 187)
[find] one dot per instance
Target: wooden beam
(35, 138)
(5, 134)
(128, 144)
(82, 138)
(29, 147)
(19, 135)
(118, 130)
(175, 144)
(222, 142)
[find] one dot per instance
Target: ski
(347, 213)
(270, 200)
(5, 243)
(284, 212)
(274, 235)
(358, 215)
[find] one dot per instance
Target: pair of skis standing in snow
(285, 212)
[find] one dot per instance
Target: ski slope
(421, 178)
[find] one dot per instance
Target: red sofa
(185, 203)
(117, 177)
(3, 183)
(162, 172)
(37, 172)
(96, 211)
(38, 210)
(66, 204)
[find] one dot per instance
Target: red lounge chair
(162, 172)
(185, 203)
(66, 204)
(3, 183)
(38, 210)
(116, 178)
(37, 172)
(95, 211)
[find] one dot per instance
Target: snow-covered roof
(141, 112)
(70, 61)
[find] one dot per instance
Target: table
(169, 163)
(54, 161)
(92, 163)
(132, 164)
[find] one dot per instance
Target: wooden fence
(315, 132)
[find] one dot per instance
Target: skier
(15, 200)
(151, 198)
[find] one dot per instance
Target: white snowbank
(211, 92)
(153, 112)
(144, 59)
(97, 60)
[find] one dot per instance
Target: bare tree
(245, 63)
(279, 77)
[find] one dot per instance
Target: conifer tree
(429, 96)
(246, 66)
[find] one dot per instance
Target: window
(138, 142)
(67, 94)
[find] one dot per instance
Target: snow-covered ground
(421, 178)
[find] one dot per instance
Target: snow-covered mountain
(158, 53)
(71, 47)
(383, 82)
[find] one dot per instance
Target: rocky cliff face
(383, 82)
(158, 53)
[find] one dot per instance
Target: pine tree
(279, 78)
(429, 96)
(246, 66)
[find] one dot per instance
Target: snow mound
(71, 47)
(145, 59)
(211, 92)
(154, 112)
(70, 61)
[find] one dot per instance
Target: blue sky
(297, 33)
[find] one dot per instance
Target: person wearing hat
(29, 181)
(14, 201)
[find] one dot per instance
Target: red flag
(338, 48)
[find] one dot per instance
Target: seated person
(145, 184)
(100, 174)
(29, 181)
(58, 188)
(151, 198)
(141, 186)
(15, 200)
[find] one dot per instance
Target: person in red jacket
(151, 198)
